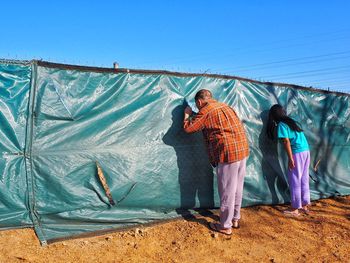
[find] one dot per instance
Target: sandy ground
(266, 235)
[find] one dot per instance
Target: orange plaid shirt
(223, 132)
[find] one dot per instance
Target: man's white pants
(230, 186)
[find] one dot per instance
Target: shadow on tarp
(195, 172)
(270, 166)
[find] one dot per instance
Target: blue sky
(300, 42)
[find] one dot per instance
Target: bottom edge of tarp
(16, 227)
(182, 214)
(108, 231)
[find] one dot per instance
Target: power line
(303, 72)
(344, 83)
(233, 52)
(309, 75)
(262, 65)
(342, 77)
(332, 78)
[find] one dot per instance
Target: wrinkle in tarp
(14, 95)
(57, 123)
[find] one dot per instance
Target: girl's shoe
(305, 210)
(291, 212)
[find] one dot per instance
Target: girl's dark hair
(278, 114)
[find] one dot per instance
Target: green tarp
(57, 121)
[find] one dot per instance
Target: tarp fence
(59, 123)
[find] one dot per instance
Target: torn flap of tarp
(103, 181)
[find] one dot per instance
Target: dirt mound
(266, 235)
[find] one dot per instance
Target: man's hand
(291, 164)
(188, 110)
(187, 113)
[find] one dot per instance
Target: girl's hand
(286, 143)
(291, 164)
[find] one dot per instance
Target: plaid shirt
(223, 132)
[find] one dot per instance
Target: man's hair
(203, 94)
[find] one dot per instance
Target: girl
(297, 149)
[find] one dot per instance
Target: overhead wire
(233, 52)
(304, 72)
(273, 65)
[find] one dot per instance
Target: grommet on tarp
(104, 184)
(44, 243)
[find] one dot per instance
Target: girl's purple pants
(298, 179)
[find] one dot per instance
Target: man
(228, 150)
